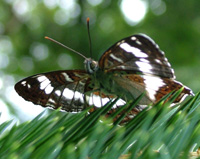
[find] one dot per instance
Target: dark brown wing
(56, 89)
(136, 54)
(69, 90)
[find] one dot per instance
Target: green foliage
(25, 52)
(160, 132)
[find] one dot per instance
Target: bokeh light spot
(158, 7)
(5, 116)
(1, 83)
(68, 9)
(4, 61)
(26, 64)
(61, 17)
(94, 2)
(5, 45)
(22, 10)
(133, 10)
(51, 4)
(65, 61)
(39, 51)
(107, 24)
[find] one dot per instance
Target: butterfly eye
(94, 65)
(91, 65)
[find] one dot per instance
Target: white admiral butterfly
(130, 67)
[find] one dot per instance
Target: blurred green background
(174, 26)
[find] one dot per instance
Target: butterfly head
(91, 66)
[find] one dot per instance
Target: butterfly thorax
(105, 83)
(100, 80)
(91, 66)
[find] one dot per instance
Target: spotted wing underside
(137, 54)
(68, 90)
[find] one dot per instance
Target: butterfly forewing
(136, 54)
(63, 89)
(69, 90)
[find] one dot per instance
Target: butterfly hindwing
(154, 86)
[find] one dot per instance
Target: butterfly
(130, 67)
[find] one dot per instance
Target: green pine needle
(161, 132)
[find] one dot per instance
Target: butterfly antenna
(48, 38)
(90, 42)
